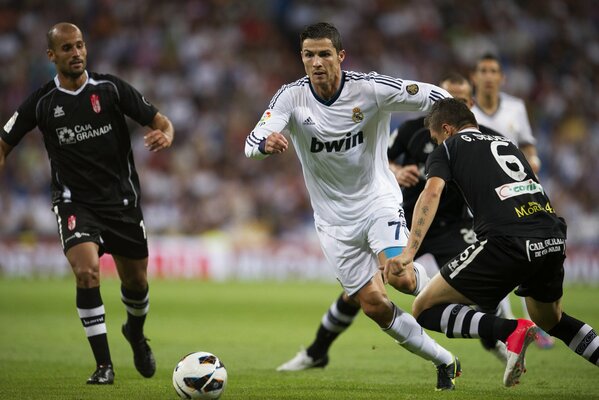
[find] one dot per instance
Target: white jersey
(342, 143)
(510, 119)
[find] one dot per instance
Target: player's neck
(328, 90)
(72, 83)
(488, 102)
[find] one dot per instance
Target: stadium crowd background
(213, 65)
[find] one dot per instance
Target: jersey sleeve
(21, 122)
(525, 132)
(395, 94)
(274, 119)
(437, 163)
(133, 103)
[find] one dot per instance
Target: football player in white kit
(339, 124)
(506, 114)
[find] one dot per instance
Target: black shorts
(121, 233)
(489, 270)
(445, 242)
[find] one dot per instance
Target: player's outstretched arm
(5, 148)
(162, 134)
(424, 213)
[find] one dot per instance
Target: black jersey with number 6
(412, 144)
(87, 139)
(498, 185)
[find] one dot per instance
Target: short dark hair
(449, 111)
(454, 77)
(488, 57)
(322, 30)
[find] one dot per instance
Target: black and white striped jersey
(87, 138)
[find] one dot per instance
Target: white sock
(422, 278)
(409, 334)
(505, 308)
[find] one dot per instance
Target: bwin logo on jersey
(65, 136)
(348, 142)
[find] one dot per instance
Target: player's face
(322, 63)
(439, 136)
(69, 53)
(487, 77)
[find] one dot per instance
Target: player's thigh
(486, 271)
(124, 234)
(85, 263)
(437, 291)
(387, 229)
(76, 224)
(544, 282)
(446, 242)
(347, 252)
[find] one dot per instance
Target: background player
(450, 233)
(506, 114)
(520, 243)
(95, 187)
(339, 123)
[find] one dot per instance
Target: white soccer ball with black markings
(200, 375)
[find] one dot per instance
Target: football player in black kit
(452, 228)
(520, 243)
(95, 187)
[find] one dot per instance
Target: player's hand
(396, 266)
(276, 143)
(407, 175)
(157, 140)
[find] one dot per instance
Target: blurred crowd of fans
(212, 66)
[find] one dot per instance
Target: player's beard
(73, 74)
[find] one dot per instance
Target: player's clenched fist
(276, 143)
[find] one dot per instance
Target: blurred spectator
(213, 65)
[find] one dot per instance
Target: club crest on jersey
(58, 112)
(95, 100)
(412, 89)
(358, 115)
(71, 222)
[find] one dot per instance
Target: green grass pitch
(253, 327)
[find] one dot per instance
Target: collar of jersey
(332, 99)
(75, 92)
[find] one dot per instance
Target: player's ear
(341, 56)
(51, 55)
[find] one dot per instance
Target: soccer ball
(200, 375)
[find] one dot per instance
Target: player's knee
(136, 282)
(87, 276)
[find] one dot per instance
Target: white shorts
(352, 249)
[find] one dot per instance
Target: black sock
(137, 305)
(92, 315)
(458, 320)
(338, 318)
(578, 336)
